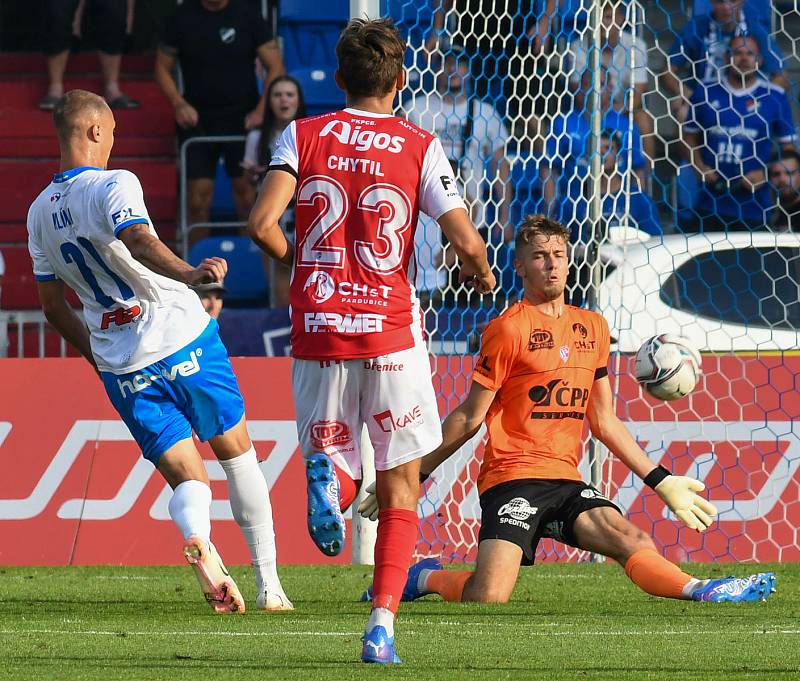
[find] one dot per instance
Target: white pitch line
(122, 634)
(572, 632)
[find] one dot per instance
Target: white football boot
(215, 581)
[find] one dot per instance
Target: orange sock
(449, 584)
(653, 573)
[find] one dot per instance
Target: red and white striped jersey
(362, 179)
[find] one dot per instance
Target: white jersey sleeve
(438, 191)
(42, 269)
(121, 201)
(286, 153)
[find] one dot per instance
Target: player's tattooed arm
(460, 426)
(153, 253)
(64, 319)
(263, 227)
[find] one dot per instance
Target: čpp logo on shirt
(227, 35)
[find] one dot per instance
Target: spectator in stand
(732, 129)
(285, 103)
(784, 177)
(624, 57)
(216, 43)
(620, 205)
(564, 170)
(211, 295)
(505, 41)
(473, 136)
(109, 22)
(699, 52)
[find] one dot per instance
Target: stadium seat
(319, 89)
(246, 281)
(314, 11)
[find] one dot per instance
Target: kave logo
(389, 424)
(141, 381)
(362, 140)
(329, 433)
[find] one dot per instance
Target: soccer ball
(668, 366)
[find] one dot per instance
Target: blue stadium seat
(687, 187)
(310, 29)
(223, 208)
(319, 89)
(246, 281)
(313, 11)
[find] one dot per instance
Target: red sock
(397, 536)
(347, 488)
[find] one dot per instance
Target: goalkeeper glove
(679, 493)
(369, 507)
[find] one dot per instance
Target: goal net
(602, 114)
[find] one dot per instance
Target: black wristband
(655, 476)
(423, 477)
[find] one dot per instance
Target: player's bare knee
(486, 593)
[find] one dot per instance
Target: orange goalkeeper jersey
(543, 369)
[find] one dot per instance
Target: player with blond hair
(155, 348)
(541, 372)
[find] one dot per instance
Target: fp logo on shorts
(323, 286)
(518, 508)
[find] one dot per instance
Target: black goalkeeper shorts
(525, 511)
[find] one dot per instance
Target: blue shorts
(193, 388)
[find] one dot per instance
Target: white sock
(249, 496)
(692, 586)
(381, 617)
(190, 508)
(422, 581)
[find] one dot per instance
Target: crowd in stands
(511, 86)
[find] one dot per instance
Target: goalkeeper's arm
(677, 492)
(459, 427)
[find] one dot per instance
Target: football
(668, 366)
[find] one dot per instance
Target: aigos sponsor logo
(583, 343)
(389, 423)
(362, 140)
(516, 512)
(120, 317)
(540, 339)
(141, 381)
(326, 434)
(319, 286)
(333, 322)
(558, 393)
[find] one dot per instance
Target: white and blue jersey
(703, 44)
(135, 316)
(742, 128)
(162, 362)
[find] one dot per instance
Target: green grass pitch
(568, 621)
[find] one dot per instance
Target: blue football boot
(757, 587)
(411, 590)
(379, 647)
(325, 519)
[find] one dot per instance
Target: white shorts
(392, 394)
